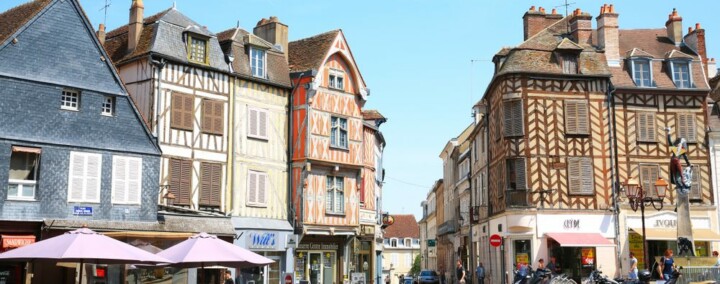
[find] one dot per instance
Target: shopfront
(14, 235)
(270, 238)
(319, 259)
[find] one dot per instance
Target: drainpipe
(159, 65)
(614, 166)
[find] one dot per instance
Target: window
(257, 62)
(393, 243)
(213, 113)
(576, 117)
(695, 186)
(257, 188)
(108, 106)
(513, 114)
(336, 79)
(84, 182)
(335, 200)
(648, 176)
(182, 111)
(681, 74)
(641, 72)
(126, 180)
(580, 175)
(210, 184)
(386, 242)
(686, 127)
(70, 100)
(180, 180)
(516, 174)
(408, 259)
(197, 52)
(416, 242)
(645, 127)
(407, 243)
(23, 175)
(378, 166)
(257, 123)
(569, 63)
(394, 259)
(463, 169)
(338, 133)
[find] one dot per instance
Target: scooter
(644, 277)
(674, 277)
(596, 277)
(540, 275)
(522, 275)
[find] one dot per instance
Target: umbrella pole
(82, 263)
(202, 273)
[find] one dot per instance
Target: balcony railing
(517, 198)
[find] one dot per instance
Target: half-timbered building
(370, 193)
(327, 156)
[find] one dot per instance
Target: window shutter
(77, 173)
(252, 122)
(262, 183)
(571, 117)
(218, 118)
(651, 127)
(574, 175)
(177, 114)
(134, 180)
(252, 187)
(217, 185)
(507, 113)
(645, 127)
(205, 183)
(583, 118)
(587, 175)
(180, 180)
(92, 177)
(120, 190)
(518, 128)
(262, 123)
(695, 187)
(207, 122)
(330, 197)
(648, 176)
(188, 118)
(686, 127)
(520, 174)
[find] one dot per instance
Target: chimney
(101, 34)
(136, 23)
(273, 31)
(674, 27)
(581, 27)
(712, 68)
(608, 36)
(535, 21)
(695, 40)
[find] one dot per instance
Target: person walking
(460, 272)
(717, 257)
(667, 265)
(228, 277)
(480, 272)
(633, 267)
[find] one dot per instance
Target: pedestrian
(716, 256)
(442, 275)
(554, 266)
(633, 267)
(480, 271)
(541, 264)
(228, 277)
(667, 265)
(460, 272)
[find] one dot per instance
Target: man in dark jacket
(480, 272)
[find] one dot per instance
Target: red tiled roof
(371, 114)
(11, 20)
(405, 226)
(309, 53)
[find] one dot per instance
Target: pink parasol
(207, 250)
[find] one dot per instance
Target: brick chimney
(273, 31)
(695, 40)
(136, 23)
(581, 27)
(535, 21)
(608, 35)
(674, 27)
(101, 33)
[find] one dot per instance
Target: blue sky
(415, 56)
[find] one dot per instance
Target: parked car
(428, 277)
(408, 280)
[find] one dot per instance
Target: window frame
(182, 113)
(695, 193)
(336, 131)
(581, 123)
(178, 189)
(680, 83)
(648, 128)
(21, 183)
(108, 106)
(209, 121)
(333, 191)
(74, 155)
(68, 105)
(336, 79)
(584, 170)
(511, 107)
(114, 186)
(639, 82)
(254, 61)
(570, 64)
(191, 43)
(522, 178)
(258, 176)
(649, 185)
(394, 242)
(259, 112)
(692, 120)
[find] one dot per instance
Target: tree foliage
(415, 270)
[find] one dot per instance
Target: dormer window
(681, 74)
(337, 79)
(642, 72)
(257, 62)
(569, 63)
(197, 49)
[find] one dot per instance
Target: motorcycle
(674, 277)
(540, 275)
(644, 277)
(522, 275)
(596, 277)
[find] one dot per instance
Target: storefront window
(317, 267)
(522, 252)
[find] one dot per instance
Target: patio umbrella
(82, 245)
(203, 250)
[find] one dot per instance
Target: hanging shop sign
(588, 257)
(262, 240)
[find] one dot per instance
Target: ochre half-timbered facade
(327, 156)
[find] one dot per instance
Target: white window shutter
(92, 177)
(262, 123)
(252, 187)
(134, 180)
(77, 174)
(262, 183)
(119, 183)
(252, 122)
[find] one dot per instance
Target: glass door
(315, 268)
(273, 270)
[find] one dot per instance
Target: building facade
(73, 147)
(402, 246)
(373, 174)
(428, 233)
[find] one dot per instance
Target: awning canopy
(26, 149)
(580, 239)
(671, 235)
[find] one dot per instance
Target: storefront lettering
(571, 224)
(262, 240)
(666, 223)
(314, 246)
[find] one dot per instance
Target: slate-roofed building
(402, 246)
(73, 146)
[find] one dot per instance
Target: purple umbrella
(82, 245)
(207, 250)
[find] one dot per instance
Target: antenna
(566, 5)
(105, 8)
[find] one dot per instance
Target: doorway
(315, 268)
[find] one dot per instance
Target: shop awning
(671, 235)
(26, 149)
(580, 239)
(15, 241)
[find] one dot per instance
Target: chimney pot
(101, 33)
(135, 24)
(673, 26)
(542, 10)
(532, 8)
(689, 29)
(273, 31)
(554, 11)
(612, 9)
(697, 26)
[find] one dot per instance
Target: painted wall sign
(82, 211)
(571, 224)
(314, 246)
(603, 224)
(665, 223)
(261, 240)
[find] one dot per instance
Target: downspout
(486, 122)
(614, 166)
(159, 65)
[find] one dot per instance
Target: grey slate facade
(57, 50)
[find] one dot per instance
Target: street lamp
(637, 199)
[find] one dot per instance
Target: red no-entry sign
(495, 240)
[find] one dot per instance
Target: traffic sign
(495, 240)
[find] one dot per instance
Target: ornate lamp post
(637, 199)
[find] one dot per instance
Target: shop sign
(522, 258)
(665, 223)
(368, 216)
(636, 247)
(571, 224)
(82, 210)
(314, 246)
(587, 257)
(431, 243)
(258, 240)
(10, 242)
